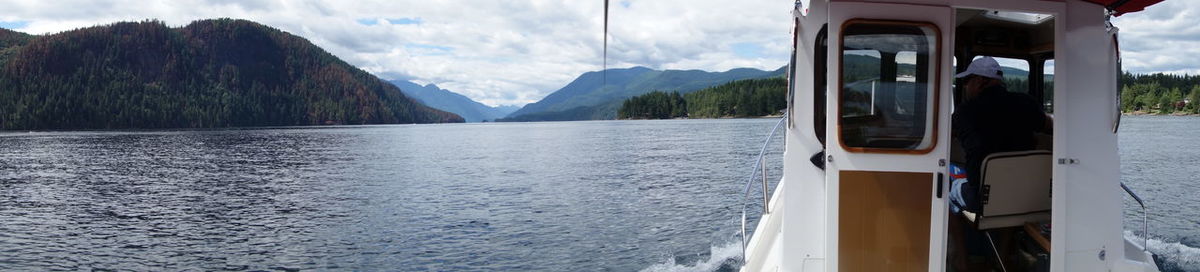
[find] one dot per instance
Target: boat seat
(1014, 189)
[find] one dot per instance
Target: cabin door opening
(887, 136)
(1015, 193)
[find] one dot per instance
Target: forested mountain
(742, 98)
(591, 97)
(654, 105)
(442, 99)
(210, 73)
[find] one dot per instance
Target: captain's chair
(1014, 189)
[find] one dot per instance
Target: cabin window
(820, 68)
(1048, 86)
(888, 90)
(1016, 74)
(791, 76)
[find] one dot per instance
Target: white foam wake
(719, 256)
(1172, 256)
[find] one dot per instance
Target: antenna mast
(604, 69)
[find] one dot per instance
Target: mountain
(210, 73)
(10, 41)
(590, 97)
(1014, 72)
(446, 100)
(740, 98)
(507, 109)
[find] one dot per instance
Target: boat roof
(1125, 6)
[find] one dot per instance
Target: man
(991, 119)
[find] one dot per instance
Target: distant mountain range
(591, 96)
(210, 73)
(449, 101)
(228, 73)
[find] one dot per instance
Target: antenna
(604, 69)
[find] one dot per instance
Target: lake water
(560, 196)
(1160, 160)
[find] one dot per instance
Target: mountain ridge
(209, 73)
(590, 97)
(442, 99)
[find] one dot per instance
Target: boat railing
(759, 168)
(1145, 217)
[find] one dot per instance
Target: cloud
(515, 52)
(1163, 38)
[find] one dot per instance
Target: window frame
(935, 92)
(791, 73)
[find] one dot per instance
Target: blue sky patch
(405, 21)
(368, 21)
(748, 50)
(421, 49)
(394, 21)
(13, 24)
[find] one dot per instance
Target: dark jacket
(995, 121)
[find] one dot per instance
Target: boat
(869, 151)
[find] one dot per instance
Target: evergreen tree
(742, 98)
(1193, 103)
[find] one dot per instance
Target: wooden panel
(883, 221)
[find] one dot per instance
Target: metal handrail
(1145, 217)
(758, 164)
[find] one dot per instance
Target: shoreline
(1143, 113)
(688, 118)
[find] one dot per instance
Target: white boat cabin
(869, 145)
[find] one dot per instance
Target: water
(591, 196)
(1160, 160)
(569, 196)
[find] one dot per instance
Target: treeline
(653, 105)
(742, 98)
(1176, 94)
(211, 73)
(1160, 93)
(1157, 93)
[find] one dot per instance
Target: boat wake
(1171, 256)
(727, 257)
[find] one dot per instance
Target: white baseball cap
(984, 67)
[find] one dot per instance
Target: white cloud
(1163, 38)
(497, 52)
(517, 51)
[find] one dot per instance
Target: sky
(512, 52)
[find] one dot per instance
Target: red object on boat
(1128, 6)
